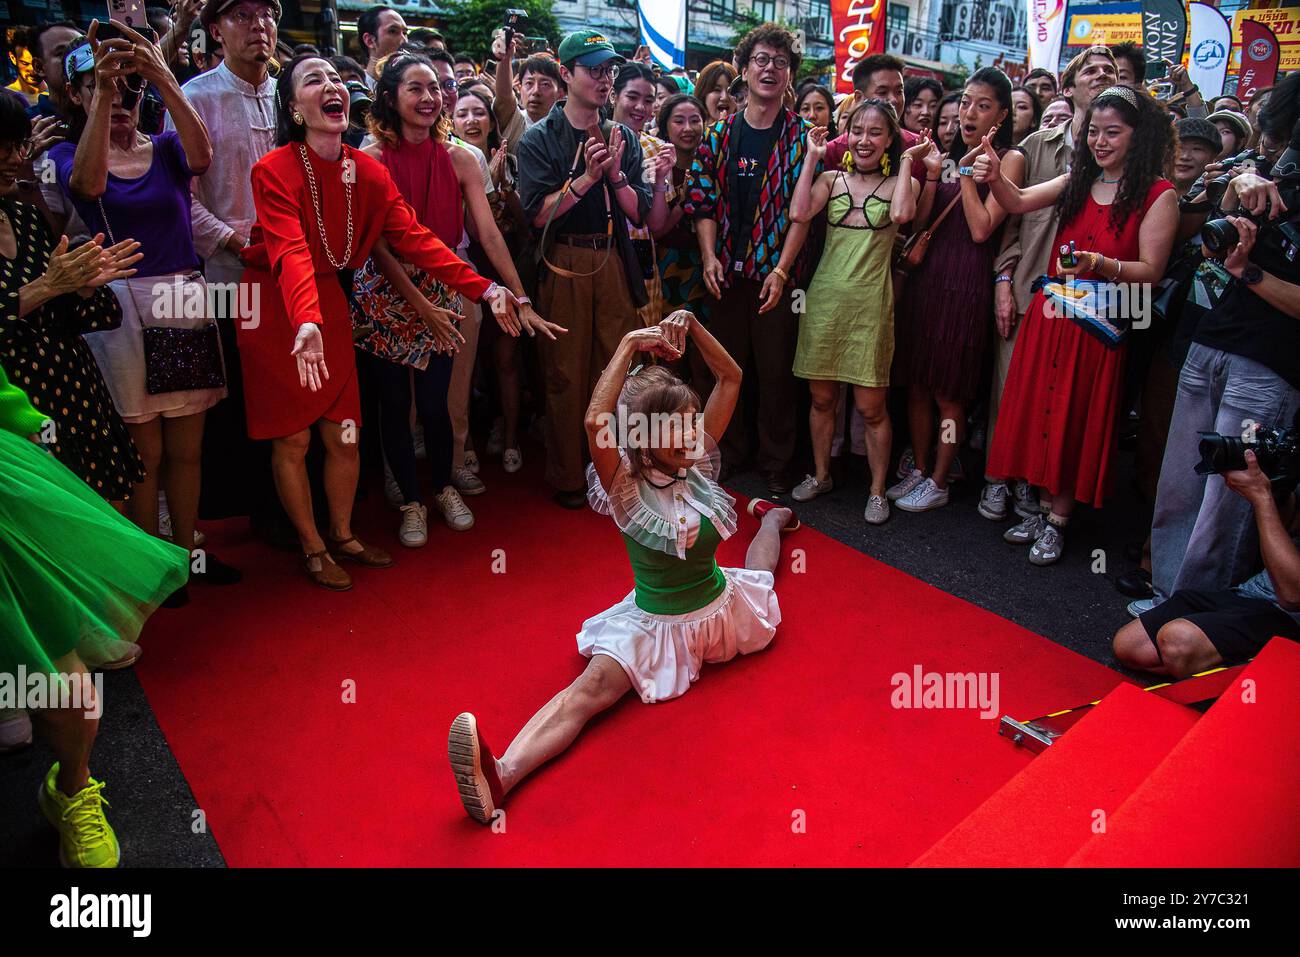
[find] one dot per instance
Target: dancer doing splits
(665, 499)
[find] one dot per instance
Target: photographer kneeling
(1197, 630)
(1242, 372)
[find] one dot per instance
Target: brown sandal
(329, 575)
(369, 556)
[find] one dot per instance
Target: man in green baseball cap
(588, 48)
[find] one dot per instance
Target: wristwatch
(1252, 275)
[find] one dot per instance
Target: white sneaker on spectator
(913, 479)
(1025, 499)
(165, 522)
(512, 460)
(924, 497)
(810, 488)
(1049, 546)
(993, 502)
(466, 482)
(15, 729)
(471, 461)
(454, 510)
(877, 511)
(906, 463)
(496, 443)
(1141, 606)
(414, 531)
(1027, 531)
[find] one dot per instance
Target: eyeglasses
(22, 149)
(763, 60)
(449, 86)
(607, 71)
(245, 17)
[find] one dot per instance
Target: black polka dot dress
(44, 355)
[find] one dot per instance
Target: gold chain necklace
(320, 218)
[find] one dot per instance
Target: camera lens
(1220, 453)
(1219, 237)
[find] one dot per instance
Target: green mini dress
(73, 572)
(847, 332)
(684, 609)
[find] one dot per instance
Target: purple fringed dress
(943, 319)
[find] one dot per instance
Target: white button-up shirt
(674, 500)
(241, 126)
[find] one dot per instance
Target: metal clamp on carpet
(1033, 736)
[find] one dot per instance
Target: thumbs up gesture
(987, 164)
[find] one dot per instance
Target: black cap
(1195, 128)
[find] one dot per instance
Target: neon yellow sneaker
(86, 839)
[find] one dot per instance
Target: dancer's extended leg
(553, 728)
(765, 550)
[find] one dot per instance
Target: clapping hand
(817, 144)
(69, 271)
(115, 262)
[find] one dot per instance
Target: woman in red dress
(1060, 410)
(321, 207)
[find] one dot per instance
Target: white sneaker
(165, 523)
(1026, 501)
(454, 510)
(15, 729)
(471, 461)
(913, 479)
(1027, 531)
(993, 502)
(512, 461)
(496, 443)
(415, 525)
(906, 463)
(466, 482)
(1141, 606)
(810, 488)
(1048, 548)
(877, 512)
(924, 497)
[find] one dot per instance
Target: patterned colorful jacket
(707, 196)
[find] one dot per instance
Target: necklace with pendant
(320, 218)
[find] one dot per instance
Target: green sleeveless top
(671, 578)
(668, 585)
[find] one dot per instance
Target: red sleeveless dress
(1059, 417)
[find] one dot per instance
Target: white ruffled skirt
(663, 654)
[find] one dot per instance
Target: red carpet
(1046, 812)
(1226, 795)
(247, 684)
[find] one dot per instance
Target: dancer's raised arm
(602, 412)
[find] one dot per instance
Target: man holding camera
(1197, 630)
(1242, 373)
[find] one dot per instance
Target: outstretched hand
(309, 350)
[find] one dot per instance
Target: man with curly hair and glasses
(738, 191)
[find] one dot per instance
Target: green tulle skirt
(74, 574)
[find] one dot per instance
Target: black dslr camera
(1277, 451)
(358, 103)
(1278, 242)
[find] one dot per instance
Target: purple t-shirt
(154, 209)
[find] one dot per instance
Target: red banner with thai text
(859, 28)
(1259, 58)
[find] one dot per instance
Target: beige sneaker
(454, 510)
